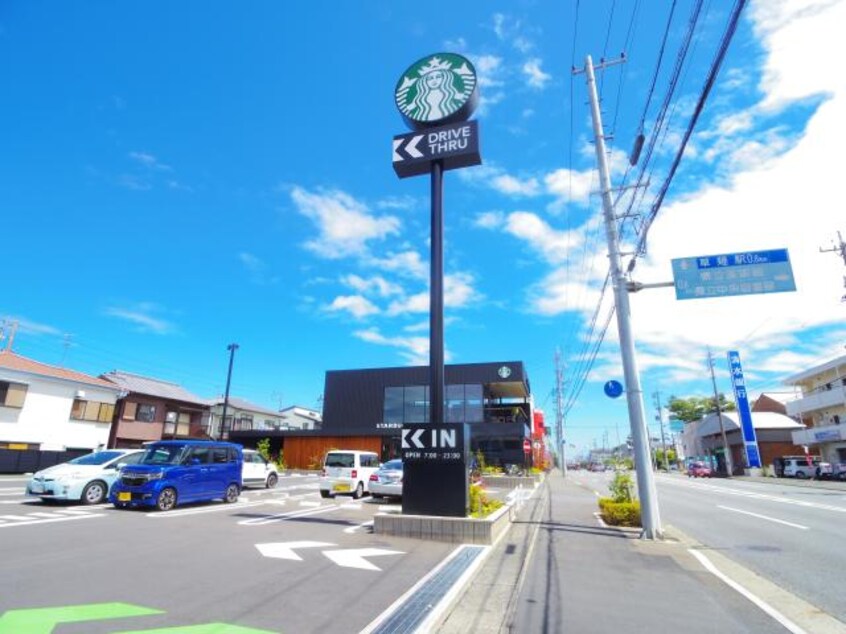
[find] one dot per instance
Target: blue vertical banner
(750, 440)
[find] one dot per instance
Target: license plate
(341, 487)
(124, 496)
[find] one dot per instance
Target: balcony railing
(818, 400)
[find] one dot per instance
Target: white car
(258, 471)
(86, 479)
(347, 471)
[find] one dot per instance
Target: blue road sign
(613, 389)
(746, 273)
(750, 439)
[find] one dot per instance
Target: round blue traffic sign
(613, 389)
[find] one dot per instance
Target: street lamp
(232, 347)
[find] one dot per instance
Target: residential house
(152, 409)
(296, 417)
(241, 415)
(49, 408)
(823, 406)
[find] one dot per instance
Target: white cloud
(148, 160)
(459, 292)
(405, 263)
(535, 77)
(375, 285)
(510, 185)
(256, 268)
(345, 225)
(554, 246)
(142, 316)
(355, 305)
(490, 220)
(567, 184)
(415, 350)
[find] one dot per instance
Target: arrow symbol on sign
(415, 438)
(411, 148)
(355, 558)
(397, 144)
(285, 550)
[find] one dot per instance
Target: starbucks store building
(493, 398)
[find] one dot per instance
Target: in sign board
(455, 145)
(746, 273)
(435, 477)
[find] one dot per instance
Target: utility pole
(726, 449)
(660, 417)
(650, 517)
(11, 336)
(559, 415)
(841, 249)
(232, 347)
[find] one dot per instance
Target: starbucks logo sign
(436, 90)
(504, 372)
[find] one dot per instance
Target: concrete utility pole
(841, 249)
(559, 416)
(232, 347)
(660, 417)
(726, 449)
(650, 517)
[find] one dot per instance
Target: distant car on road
(387, 481)
(86, 479)
(698, 470)
(598, 467)
(258, 471)
(800, 467)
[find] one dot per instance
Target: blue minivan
(175, 472)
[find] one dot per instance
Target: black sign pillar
(435, 477)
(436, 300)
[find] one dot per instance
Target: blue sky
(179, 176)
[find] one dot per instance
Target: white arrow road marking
(353, 529)
(411, 148)
(285, 550)
(397, 144)
(355, 557)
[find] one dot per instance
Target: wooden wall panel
(307, 453)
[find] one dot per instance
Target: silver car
(387, 481)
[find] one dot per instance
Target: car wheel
(231, 495)
(167, 499)
(94, 493)
(272, 479)
(800, 475)
(359, 491)
(325, 494)
(376, 496)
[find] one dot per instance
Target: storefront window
(455, 403)
(416, 404)
(392, 411)
(473, 411)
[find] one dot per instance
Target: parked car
(799, 466)
(347, 471)
(258, 470)
(698, 470)
(387, 480)
(86, 479)
(174, 472)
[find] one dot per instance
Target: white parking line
(213, 509)
(763, 517)
(50, 521)
(353, 529)
(281, 517)
(766, 607)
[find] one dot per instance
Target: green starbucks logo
(437, 89)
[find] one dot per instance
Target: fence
(30, 460)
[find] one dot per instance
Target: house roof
(239, 403)
(152, 387)
(13, 361)
(818, 369)
(760, 420)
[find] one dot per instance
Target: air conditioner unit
(79, 394)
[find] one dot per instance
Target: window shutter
(16, 395)
(129, 410)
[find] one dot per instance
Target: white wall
(45, 416)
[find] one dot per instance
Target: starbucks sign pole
(436, 96)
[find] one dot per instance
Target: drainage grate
(408, 616)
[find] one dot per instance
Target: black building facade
(493, 398)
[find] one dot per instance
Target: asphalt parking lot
(279, 560)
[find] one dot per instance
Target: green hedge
(619, 513)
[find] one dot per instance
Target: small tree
(622, 487)
(263, 447)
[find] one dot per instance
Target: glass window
(100, 457)
(129, 410)
(392, 409)
(92, 410)
(145, 413)
(220, 455)
(416, 401)
(133, 458)
(77, 409)
(107, 413)
(473, 403)
(199, 453)
(12, 394)
(346, 460)
(455, 403)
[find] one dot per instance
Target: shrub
(263, 447)
(622, 487)
(480, 504)
(620, 513)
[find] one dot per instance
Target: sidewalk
(559, 570)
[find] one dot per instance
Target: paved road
(207, 563)
(790, 535)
